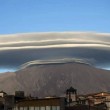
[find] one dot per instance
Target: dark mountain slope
(54, 79)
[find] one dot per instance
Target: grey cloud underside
(38, 48)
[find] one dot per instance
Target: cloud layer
(38, 48)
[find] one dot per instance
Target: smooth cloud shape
(34, 48)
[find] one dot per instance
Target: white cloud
(18, 49)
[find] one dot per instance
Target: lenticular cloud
(23, 50)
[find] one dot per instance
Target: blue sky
(22, 16)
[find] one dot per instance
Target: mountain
(54, 79)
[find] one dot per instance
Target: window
(21, 108)
(42, 108)
(25, 108)
(31, 108)
(58, 107)
(48, 107)
(54, 107)
(37, 108)
(16, 108)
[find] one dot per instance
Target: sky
(59, 20)
(25, 16)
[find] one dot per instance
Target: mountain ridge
(53, 80)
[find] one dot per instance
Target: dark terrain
(54, 79)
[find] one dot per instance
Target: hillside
(54, 79)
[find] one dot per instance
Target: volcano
(53, 79)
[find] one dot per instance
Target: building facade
(41, 104)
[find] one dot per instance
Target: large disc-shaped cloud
(22, 50)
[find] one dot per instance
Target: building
(53, 103)
(72, 101)
(98, 98)
(71, 96)
(2, 94)
(7, 102)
